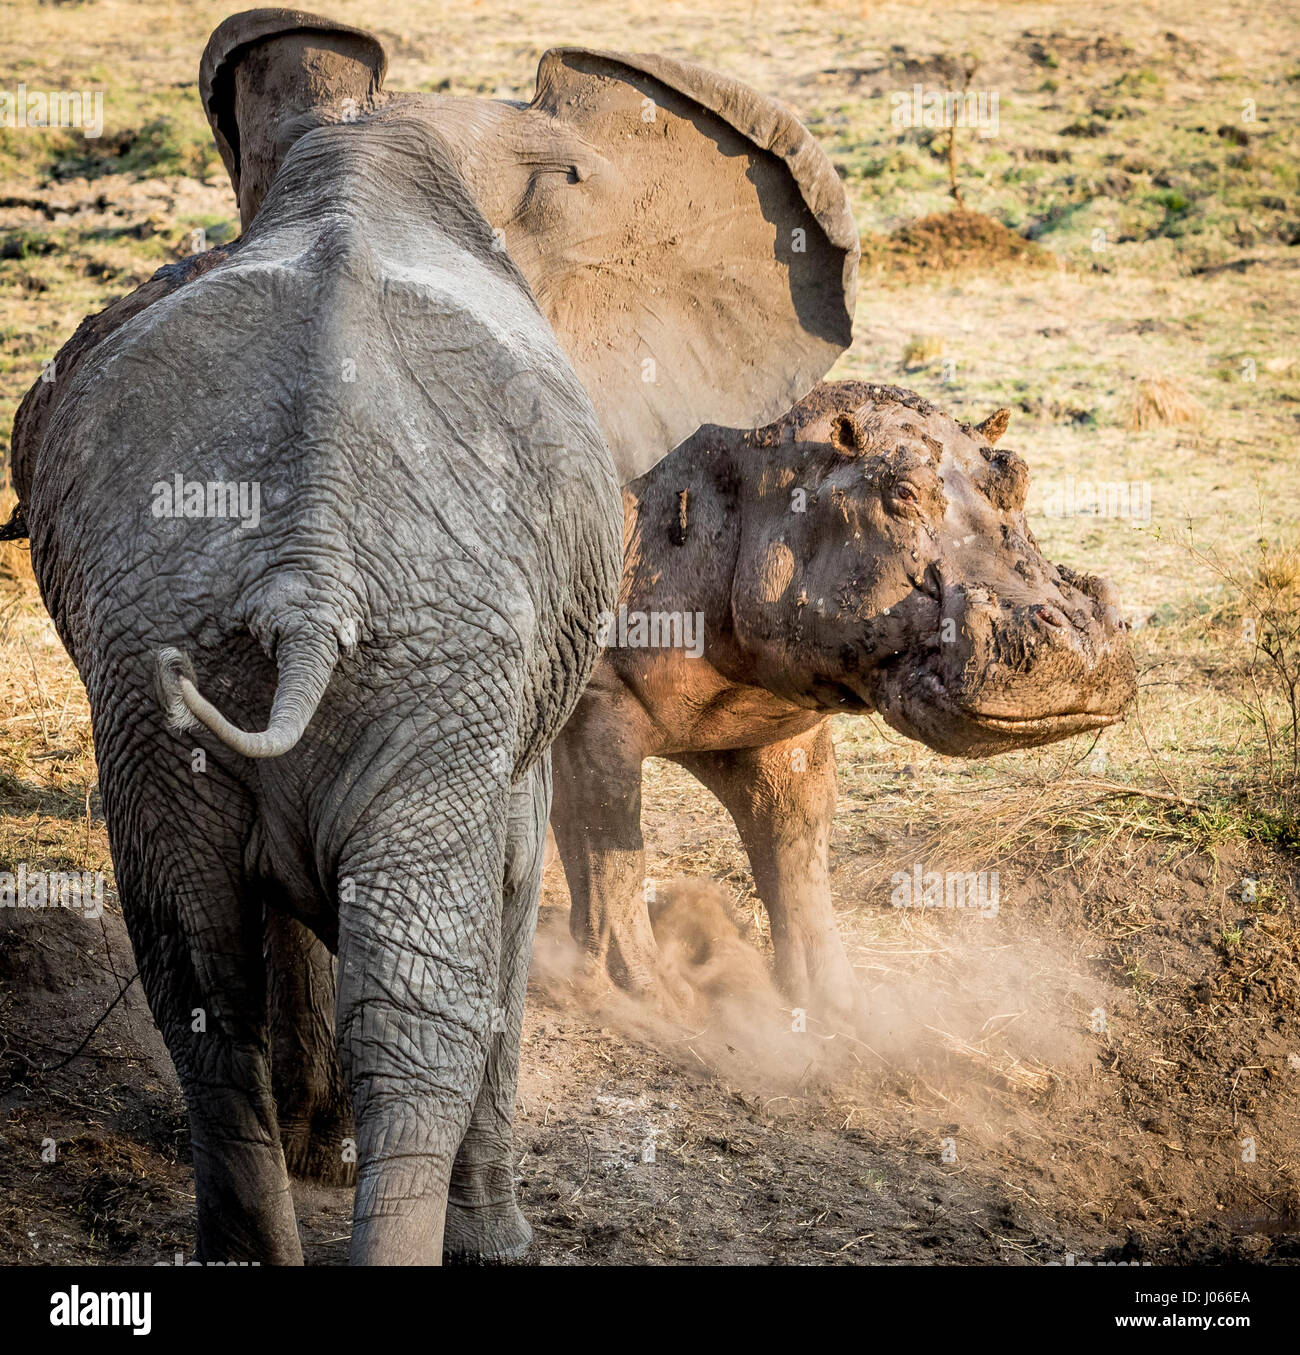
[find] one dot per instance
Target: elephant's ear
(696, 256)
(265, 72)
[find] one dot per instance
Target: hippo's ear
(847, 435)
(994, 426)
(688, 240)
(265, 72)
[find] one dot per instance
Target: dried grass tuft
(1161, 403)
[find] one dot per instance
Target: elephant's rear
(407, 463)
(339, 513)
(349, 483)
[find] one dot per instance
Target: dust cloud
(951, 1004)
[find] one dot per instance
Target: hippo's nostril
(1050, 616)
(929, 582)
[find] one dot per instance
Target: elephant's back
(431, 453)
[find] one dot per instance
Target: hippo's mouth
(914, 695)
(1059, 723)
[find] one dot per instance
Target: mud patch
(899, 68)
(1053, 49)
(952, 241)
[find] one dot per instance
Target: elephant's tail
(305, 660)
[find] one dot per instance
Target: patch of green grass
(149, 136)
(161, 146)
(1143, 82)
(218, 229)
(26, 244)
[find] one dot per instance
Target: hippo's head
(885, 564)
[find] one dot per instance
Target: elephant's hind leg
(597, 823)
(484, 1222)
(311, 1098)
(419, 936)
(177, 850)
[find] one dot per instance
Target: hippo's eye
(906, 493)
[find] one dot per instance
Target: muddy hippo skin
(450, 330)
(864, 553)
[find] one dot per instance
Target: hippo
(865, 553)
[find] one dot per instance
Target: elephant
(326, 518)
(864, 553)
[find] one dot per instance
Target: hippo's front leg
(782, 799)
(596, 817)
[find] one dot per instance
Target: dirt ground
(978, 1115)
(1108, 1066)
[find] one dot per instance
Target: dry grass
(1160, 403)
(1265, 615)
(48, 797)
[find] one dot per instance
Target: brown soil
(946, 242)
(976, 1116)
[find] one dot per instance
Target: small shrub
(1268, 597)
(920, 351)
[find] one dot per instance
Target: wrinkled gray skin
(340, 718)
(865, 553)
